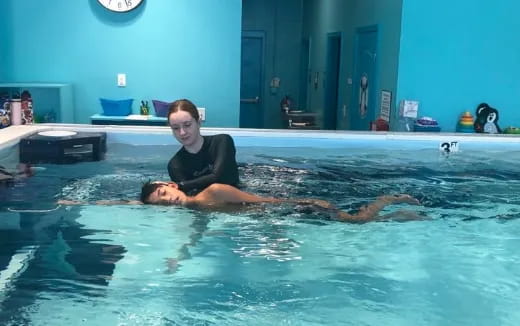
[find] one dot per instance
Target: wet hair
(184, 105)
(147, 189)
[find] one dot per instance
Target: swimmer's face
(167, 195)
(184, 127)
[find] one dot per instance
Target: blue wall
(449, 59)
(457, 54)
(345, 16)
(168, 49)
(4, 36)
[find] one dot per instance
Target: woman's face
(184, 127)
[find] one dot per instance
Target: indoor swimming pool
(270, 264)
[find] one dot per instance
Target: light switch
(202, 114)
(121, 80)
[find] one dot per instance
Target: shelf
(301, 120)
(47, 98)
(304, 127)
(132, 120)
(301, 115)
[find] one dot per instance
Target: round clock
(120, 5)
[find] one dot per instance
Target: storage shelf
(47, 98)
(133, 120)
(301, 120)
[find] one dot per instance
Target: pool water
(267, 265)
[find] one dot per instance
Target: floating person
(221, 195)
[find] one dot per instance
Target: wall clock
(120, 5)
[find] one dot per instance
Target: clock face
(120, 5)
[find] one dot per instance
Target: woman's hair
(147, 189)
(184, 105)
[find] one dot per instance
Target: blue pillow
(116, 107)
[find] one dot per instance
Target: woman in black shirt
(202, 160)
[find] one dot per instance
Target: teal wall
(449, 60)
(457, 54)
(282, 23)
(168, 49)
(345, 16)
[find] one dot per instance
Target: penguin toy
(487, 120)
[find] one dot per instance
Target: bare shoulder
(216, 188)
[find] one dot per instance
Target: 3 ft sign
(449, 146)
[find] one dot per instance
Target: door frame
(261, 105)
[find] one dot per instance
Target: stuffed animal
(487, 119)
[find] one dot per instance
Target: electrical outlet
(121, 80)
(202, 114)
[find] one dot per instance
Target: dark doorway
(330, 112)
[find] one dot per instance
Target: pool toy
(512, 130)
(466, 122)
(426, 124)
(487, 120)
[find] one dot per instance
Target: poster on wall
(386, 102)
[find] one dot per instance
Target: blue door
(330, 112)
(363, 108)
(251, 80)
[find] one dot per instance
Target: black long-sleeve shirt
(214, 163)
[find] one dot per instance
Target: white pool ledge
(11, 135)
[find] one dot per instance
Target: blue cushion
(116, 107)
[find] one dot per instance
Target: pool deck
(11, 135)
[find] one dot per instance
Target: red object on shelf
(380, 125)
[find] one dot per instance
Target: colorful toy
(27, 108)
(487, 119)
(466, 122)
(5, 112)
(512, 130)
(426, 124)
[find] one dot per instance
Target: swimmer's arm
(370, 212)
(100, 202)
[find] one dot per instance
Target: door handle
(250, 100)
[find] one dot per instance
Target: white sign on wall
(409, 109)
(386, 102)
